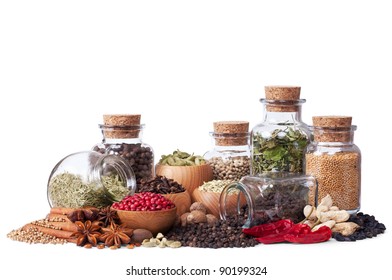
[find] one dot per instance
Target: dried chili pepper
(286, 230)
(304, 236)
(269, 228)
(271, 232)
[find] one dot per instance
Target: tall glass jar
(230, 155)
(335, 161)
(279, 142)
(122, 136)
(89, 179)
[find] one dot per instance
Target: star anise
(107, 216)
(83, 214)
(116, 235)
(88, 232)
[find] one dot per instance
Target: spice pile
(179, 158)
(233, 168)
(221, 234)
(161, 185)
(70, 191)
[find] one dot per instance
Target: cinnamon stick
(53, 232)
(53, 216)
(61, 210)
(66, 226)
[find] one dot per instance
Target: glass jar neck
(282, 111)
(225, 141)
(333, 136)
(112, 165)
(122, 134)
(282, 117)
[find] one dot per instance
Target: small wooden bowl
(211, 201)
(190, 177)
(154, 221)
(181, 200)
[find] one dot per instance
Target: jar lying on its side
(90, 179)
(271, 198)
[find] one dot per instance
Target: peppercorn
(222, 234)
(368, 227)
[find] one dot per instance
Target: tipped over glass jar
(89, 179)
(270, 198)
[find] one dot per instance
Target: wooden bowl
(190, 177)
(211, 201)
(154, 221)
(181, 200)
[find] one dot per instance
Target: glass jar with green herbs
(90, 179)
(278, 143)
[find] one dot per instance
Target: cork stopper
(231, 133)
(121, 126)
(332, 128)
(121, 120)
(282, 92)
(282, 98)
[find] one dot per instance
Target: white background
(183, 65)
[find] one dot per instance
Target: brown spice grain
(338, 175)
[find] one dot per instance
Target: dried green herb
(69, 190)
(282, 151)
(179, 158)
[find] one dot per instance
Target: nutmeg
(211, 219)
(183, 219)
(140, 234)
(198, 206)
(196, 216)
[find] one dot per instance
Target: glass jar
(122, 136)
(230, 156)
(270, 198)
(279, 142)
(89, 179)
(335, 161)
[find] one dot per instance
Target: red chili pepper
(300, 229)
(324, 233)
(269, 228)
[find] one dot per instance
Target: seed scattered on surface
(33, 236)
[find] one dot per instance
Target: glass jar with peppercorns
(269, 197)
(230, 155)
(122, 136)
